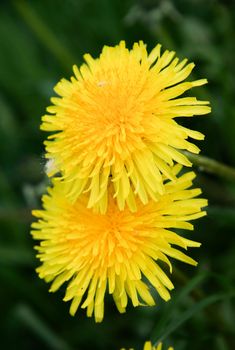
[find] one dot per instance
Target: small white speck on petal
(50, 167)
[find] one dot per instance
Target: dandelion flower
(117, 252)
(114, 122)
(149, 346)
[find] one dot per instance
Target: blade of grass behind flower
(191, 312)
(38, 326)
(44, 33)
(171, 307)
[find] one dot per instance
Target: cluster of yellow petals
(117, 252)
(107, 223)
(148, 346)
(113, 125)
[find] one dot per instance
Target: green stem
(212, 166)
(44, 33)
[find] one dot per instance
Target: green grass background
(40, 41)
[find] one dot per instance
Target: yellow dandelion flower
(114, 122)
(116, 252)
(148, 346)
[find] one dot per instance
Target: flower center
(112, 109)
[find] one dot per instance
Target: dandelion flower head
(148, 346)
(114, 122)
(117, 252)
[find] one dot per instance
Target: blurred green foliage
(40, 40)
